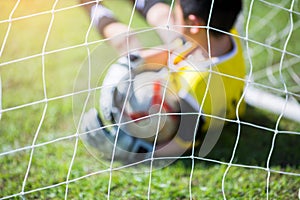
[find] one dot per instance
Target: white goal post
(289, 107)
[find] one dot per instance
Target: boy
(207, 84)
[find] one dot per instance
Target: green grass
(89, 177)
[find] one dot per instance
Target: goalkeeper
(207, 84)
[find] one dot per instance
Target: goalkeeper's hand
(117, 78)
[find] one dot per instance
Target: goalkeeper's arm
(156, 58)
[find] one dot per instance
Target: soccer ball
(151, 107)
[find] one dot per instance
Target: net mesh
(46, 91)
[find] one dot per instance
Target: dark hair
(224, 12)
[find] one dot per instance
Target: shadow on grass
(255, 141)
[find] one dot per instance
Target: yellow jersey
(213, 86)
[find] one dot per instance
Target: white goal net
(52, 64)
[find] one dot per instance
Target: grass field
(30, 77)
